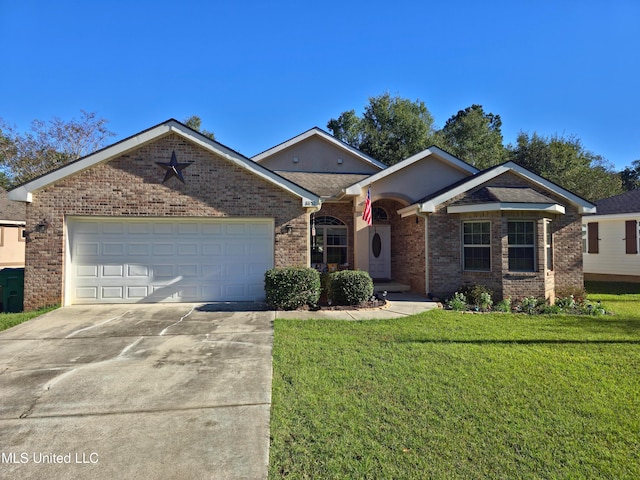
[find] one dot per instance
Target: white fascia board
(313, 132)
(505, 206)
(611, 216)
(309, 199)
(356, 188)
(430, 205)
(24, 192)
(583, 205)
(409, 210)
(19, 223)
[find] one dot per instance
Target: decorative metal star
(173, 168)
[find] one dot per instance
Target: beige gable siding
(417, 180)
(317, 155)
(612, 258)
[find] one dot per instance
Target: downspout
(426, 250)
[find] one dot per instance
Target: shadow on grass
(522, 342)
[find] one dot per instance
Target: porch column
(360, 236)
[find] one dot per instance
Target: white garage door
(167, 260)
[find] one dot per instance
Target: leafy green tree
(566, 162)
(49, 145)
(195, 122)
(390, 129)
(631, 176)
(475, 137)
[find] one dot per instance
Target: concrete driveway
(137, 391)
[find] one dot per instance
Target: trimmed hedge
(291, 287)
(350, 287)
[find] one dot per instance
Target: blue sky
(259, 73)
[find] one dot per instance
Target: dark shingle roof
(628, 202)
(323, 184)
(504, 194)
(10, 210)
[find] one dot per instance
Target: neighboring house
(611, 239)
(171, 215)
(12, 241)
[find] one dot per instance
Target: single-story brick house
(169, 215)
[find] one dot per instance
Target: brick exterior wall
(131, 185)
(446, 273)
(407, 246)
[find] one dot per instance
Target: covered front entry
(136, 260)
(380, 252)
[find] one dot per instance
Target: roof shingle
(628, 202)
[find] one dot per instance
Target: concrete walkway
(398, 305)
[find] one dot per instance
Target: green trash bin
(12, 283)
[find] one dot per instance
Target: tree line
(390, 129)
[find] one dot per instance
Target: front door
(380, 251)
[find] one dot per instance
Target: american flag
(366, 213)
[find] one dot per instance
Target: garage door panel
(86, 248)
(113, 271)
(137, 228)
(138, 249)
(110, 293)
(86, 271)
(112, 249)
(163, 249)
(110, 228)
(137, 292)
(185, 249)
(188, 228)
(115, 260)
(160, 271)
(163, 228)
(188, 270)
(212, 249)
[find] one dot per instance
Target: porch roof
(325, 185)
(505, 198)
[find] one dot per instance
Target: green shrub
(576, 293)
(503, 305)
(458, 302)
(292, 287)
(529, 305)
(485, 301)
(550, 309)
(478, 296)
(350, 287)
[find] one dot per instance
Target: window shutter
(592, 237)
(631, 236)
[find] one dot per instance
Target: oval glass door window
(376, 245)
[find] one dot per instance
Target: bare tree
(49, 145)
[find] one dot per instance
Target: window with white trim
(476, 246)
(328, 241)
(522, 249)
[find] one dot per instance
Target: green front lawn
(452, 395)
(8, 320)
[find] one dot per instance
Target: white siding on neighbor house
(612, 258)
